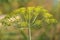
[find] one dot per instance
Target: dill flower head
(47, 15)
(30, 9)
(22, 10)
(38, 9)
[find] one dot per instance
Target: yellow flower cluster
(34, 12)
(24, 24)
(47, 15)
(38, 22)
(38, 9)
(30, 9)
(50, 21)
(22, 10)
(36, 15)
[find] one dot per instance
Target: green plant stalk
(29, 27)
(35, 18)
(24, 35)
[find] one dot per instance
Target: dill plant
(19, 18)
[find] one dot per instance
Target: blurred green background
(8, 6)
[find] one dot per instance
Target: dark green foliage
(24, 35)
(43, 36)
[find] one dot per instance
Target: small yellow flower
(38, 22)
(47, 15)
(27, 17)
(22, 10)
(30, 9)
(53, 20)
(16, 11)
(24, 24)
(37, 9)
